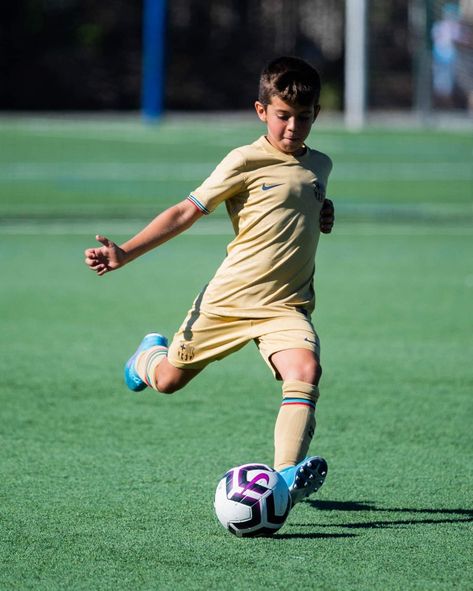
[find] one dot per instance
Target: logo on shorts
(186, 351)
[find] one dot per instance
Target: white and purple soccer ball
(252, 500)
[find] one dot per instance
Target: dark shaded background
(84, 55)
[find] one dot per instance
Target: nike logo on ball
(266, 187)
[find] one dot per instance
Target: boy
(274, 192)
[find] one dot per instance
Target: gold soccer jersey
(274, 201)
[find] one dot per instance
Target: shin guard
(295, 424)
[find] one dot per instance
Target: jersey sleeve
(227, 180)
(323, 167)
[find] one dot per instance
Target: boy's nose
(291, 123)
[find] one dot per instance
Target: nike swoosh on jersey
(266, 187)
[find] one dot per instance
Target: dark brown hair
(291, 79)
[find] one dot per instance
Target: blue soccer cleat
(305, 478)
(132, 379)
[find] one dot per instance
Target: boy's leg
(155, 370)
(295, 425)
(300, 371)
(168, 379)
(199, 341)
(149, 366)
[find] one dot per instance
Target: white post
(355, 63)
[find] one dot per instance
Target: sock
(148, 361)
(295, 424)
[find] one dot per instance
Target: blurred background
(407, 56)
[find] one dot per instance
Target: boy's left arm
(327, 216)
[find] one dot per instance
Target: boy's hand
(106, 258)
(327, 216)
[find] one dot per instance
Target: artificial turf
(105, 489)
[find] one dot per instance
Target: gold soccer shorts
(203, 338)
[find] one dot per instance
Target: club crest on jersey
(319, 191)
(185, 352)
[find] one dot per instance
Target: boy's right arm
(165, 226)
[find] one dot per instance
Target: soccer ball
(252, 500)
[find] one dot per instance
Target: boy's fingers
(327, 208)
(327, 219)
(104, 240)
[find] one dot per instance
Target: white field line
(415, 147)
(107, 171)
(225, 134)
(173, 171)
(167, 137)
(137, 133)
(64, 228)
(223, 228)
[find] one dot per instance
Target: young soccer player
(274, 192)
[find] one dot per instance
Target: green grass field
(102, 489)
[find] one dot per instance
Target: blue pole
(154, 20)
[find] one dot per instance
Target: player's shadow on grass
(444, 515)
(312, 536)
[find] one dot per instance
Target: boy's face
(288, 125)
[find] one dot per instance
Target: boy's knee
(166, 386)
(170, 379)
(298, 364)
(311, 373)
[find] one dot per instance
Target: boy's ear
(261, 111)
(316, 111)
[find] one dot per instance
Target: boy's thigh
(203, 338)
(285, 334)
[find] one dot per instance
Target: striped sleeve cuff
(198, 204)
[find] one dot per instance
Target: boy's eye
(299, 117)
